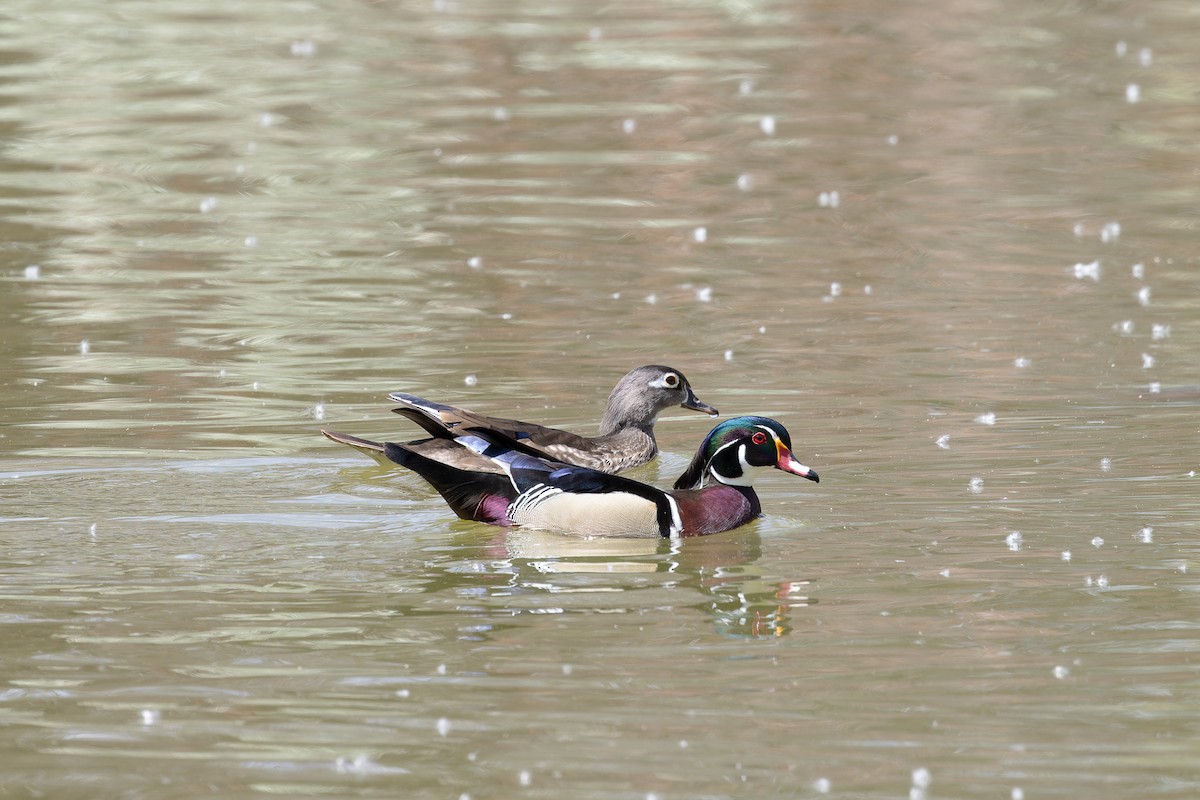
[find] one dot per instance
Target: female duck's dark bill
(696, 404)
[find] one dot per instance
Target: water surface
(951, 247)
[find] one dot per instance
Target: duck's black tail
(478, 496)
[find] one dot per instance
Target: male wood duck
(626, 437)
(536, 492)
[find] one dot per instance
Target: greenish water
(948, 246)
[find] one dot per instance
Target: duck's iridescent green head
(737, 444)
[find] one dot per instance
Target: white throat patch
(741, 480)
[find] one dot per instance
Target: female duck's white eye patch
(668, 381)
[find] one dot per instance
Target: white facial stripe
(744, 479)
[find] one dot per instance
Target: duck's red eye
(759, 438)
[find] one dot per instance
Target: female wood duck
(539, 493)
(626, 437)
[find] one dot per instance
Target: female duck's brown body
(625, 440)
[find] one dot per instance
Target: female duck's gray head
(643, 393)
(735, 446)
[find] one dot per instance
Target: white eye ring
(668, 381)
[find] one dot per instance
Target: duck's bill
(788, 463)
(695, 404)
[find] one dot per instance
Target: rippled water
(952, 247)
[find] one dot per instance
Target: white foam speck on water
(987, 418)
(1078, 230)
(1133, 93)
(360, 763)
(729, 355)
(149, 716)
(506, 315)
(566, 669)
(1097, 542)
(475, 262)
(867, 289)
(1110, 232)
(305, 48)
(835, 289)
(1014, 541)
(250, 241)
(616, 295)
(1102, 581)
(501, 114)
(1061, 672)
(1017, 793)
(1066, 555)
(1143, 296)
(1159, 332)
(822, 785)
(651, 299)
(1089, 270)
(1147, 361)
(596, 34)
(469, 380)
(525, 777)
(762, 329)
(945, 573)
(943, 441)
(829, 199)
(265, 120)
(85, 347)
(1138, 270)
(745, 182)
(1145, 57)
(208, 204)
(92, 531)
(893, 140)
(1020, 362)
(443, 727)
(921, 778)
(629, 125)
(1121, 48)
(317, 411)
(975, 485)
(700, 234)
(704, 295)
(1105, 464)
(745, 87)
(403, 693)
(441, 668)
(1124, 327)
(1154, 388)
(1146, 535)
(33, 272)
(767, 125)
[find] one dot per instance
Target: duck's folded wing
(458, 421)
